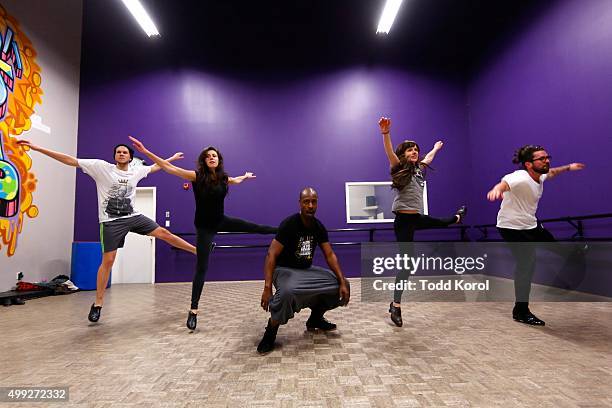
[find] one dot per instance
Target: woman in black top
(210, 183)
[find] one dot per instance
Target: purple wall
(551, 86)
(319, 130)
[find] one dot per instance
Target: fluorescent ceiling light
(141, 15)
(388, 16)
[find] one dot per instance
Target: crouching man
(298, 284)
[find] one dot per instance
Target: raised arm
(163, 164)
(555, 171)
(334, 265)
(175, 156)
(274, 251)
(497, 192)
(240, 179)
(430, 156)
(385, 126)
(60, 157)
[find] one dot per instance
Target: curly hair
(525, 154)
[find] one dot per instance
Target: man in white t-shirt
(116, 187)
(520, 192)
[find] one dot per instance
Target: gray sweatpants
(315, 288)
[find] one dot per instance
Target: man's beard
(543, 170)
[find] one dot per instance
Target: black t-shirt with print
(299, 242)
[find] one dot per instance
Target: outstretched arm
(332, 262)
(497, 192)
(240, 179)
(568, 167)
(430, 156)
(273, 252)
(175, 156)
(385, 126)
(60, 157)
(164, 164)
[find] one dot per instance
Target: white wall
(44, 246)
(357, 200)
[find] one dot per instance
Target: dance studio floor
(446, 355)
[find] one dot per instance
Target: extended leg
(231, 224)
(172, 239)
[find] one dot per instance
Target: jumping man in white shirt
(116, 187)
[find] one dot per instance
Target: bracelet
(384, 133)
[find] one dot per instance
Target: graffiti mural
(20, 91)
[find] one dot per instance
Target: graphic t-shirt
(116, 188)
(519, 205)
(299, 242)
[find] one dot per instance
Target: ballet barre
(463, 236)
(576, 221)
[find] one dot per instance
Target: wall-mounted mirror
(371, 201)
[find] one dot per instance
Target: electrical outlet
(167, 214)
(167, 223)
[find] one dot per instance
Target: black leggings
(205, 238)
(525, 256)
(404, 226)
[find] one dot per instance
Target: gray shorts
(112, 233)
